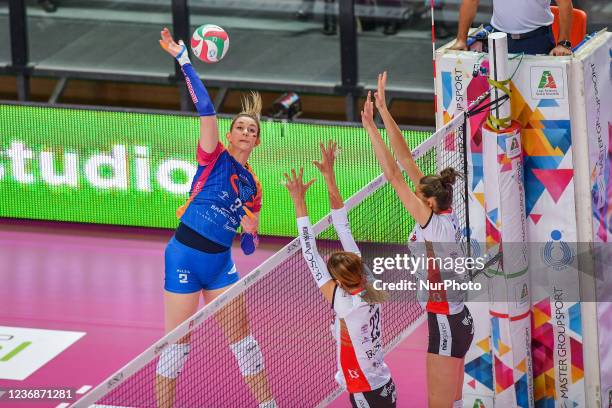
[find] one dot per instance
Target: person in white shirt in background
(528, 24)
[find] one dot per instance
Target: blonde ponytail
(251, 108)
(251, 105)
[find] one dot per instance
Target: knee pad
(172, 360)
(248, 354)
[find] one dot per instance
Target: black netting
(451, 152)
(289, 318)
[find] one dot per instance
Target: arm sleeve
(197, 90)
(311, 254)
(343, 228)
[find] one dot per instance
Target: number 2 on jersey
(375, 325)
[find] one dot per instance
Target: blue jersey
(222, 192)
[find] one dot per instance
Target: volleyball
(209, 43)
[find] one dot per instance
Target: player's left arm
(297, 190)
(338, 211)
(398, 143)
(419, 211)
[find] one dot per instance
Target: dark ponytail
(448, 176)
(440, 187)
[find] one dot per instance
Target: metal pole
(19, 47)
(181, 29)
(433, 56)
(348, 55)
(466, 186)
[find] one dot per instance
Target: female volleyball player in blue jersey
(344, 282)
(436, 235)
(225, 195)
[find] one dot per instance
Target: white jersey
(357, 326)
(521, 16)
(438, 243)
(358, 331)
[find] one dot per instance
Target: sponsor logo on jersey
(244, 178)
(228, 227)
(240, 185)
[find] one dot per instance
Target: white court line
(63, 405)
(83, 389)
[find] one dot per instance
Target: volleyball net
(278, 306)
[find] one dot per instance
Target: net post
(498, 77)
(466, 187)
(587, 264)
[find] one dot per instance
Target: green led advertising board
(135, 169)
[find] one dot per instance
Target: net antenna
(286, 313)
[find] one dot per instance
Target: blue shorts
(189, 270)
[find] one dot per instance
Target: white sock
(268, 404)
(458, 404)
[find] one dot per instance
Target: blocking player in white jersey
(344, 282)
(450, 324)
